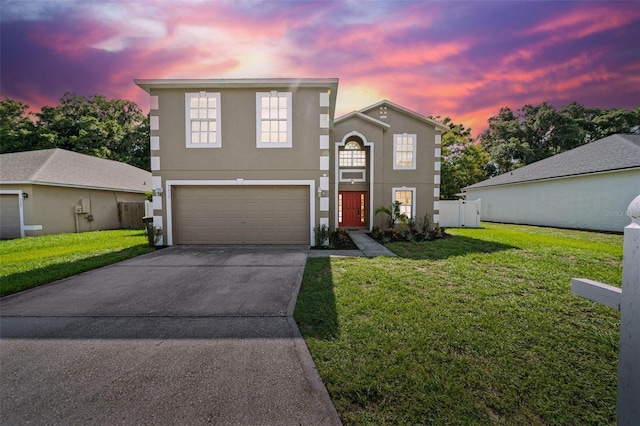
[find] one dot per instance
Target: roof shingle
(615, 152)
(66, 168)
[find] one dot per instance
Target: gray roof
(615, 152)
(60, 167)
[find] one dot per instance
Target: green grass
(32, 261)
(479, 328)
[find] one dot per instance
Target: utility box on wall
(460, 213)
(86, 205)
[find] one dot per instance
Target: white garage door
(240, 214)
(9, 216)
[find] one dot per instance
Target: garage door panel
(241, 215)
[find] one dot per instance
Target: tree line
(114, 129)
(117, 129)
(516, 138)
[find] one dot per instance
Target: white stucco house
(589, 187)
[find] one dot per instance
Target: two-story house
(262, 161)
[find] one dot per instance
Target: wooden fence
(130, 214)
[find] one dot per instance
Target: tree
(463, 162)
(114, 129)
(504, 141)
(16, 126)
(539, 131)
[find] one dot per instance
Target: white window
(404, 151)
(352, 155)
(203, 120)
(273, 120)
(407, 198)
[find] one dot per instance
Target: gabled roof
(60, 167)
(404, 110)
(365, 117)
(615, 152)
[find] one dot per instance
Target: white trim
(324, 141)
(157, 202)
(324, 99)
(363, 172)
(324, 204)
(154, 122)
(17, 192)
(155, 163)
(324, 121)
(370, 161)
(324, 162)
(187, 117)
(414, 137)
(33, 227)
(324, 183)
(154, 143)
(242, 182)
(289, 141)
(153, 102)
(437, 166)
(413, 196)
(437, 153)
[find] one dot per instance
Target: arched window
(352, 155)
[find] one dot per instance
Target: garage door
(240, 214)
(9, 216)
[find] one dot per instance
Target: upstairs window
(203, 120)
(273, 120)
(404, 151)
(352, 155)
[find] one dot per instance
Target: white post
(629, 362)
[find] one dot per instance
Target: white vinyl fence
(627, 301)
(460, 213)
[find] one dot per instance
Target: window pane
(283, 137)
(212, 137)
(195, 137)
(282, 126)
(211, 113)
(202, 102)
(264, 102)
(193, 103)
(283, 102)
(195, 126)
(265, 114)
(273, 102)
(265, 137)
(211, 102)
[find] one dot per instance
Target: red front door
(351, 209)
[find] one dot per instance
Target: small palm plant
(393, 214)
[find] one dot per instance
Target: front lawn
(32, 261)
(479, 328)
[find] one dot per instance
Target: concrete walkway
(184, 335)
(369, 246)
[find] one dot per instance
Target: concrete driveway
(184, 335)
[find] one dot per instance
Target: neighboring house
(262, 161)
(55, 191)
(589, 187)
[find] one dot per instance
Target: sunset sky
(462, 59)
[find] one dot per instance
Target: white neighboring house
(588, 187)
